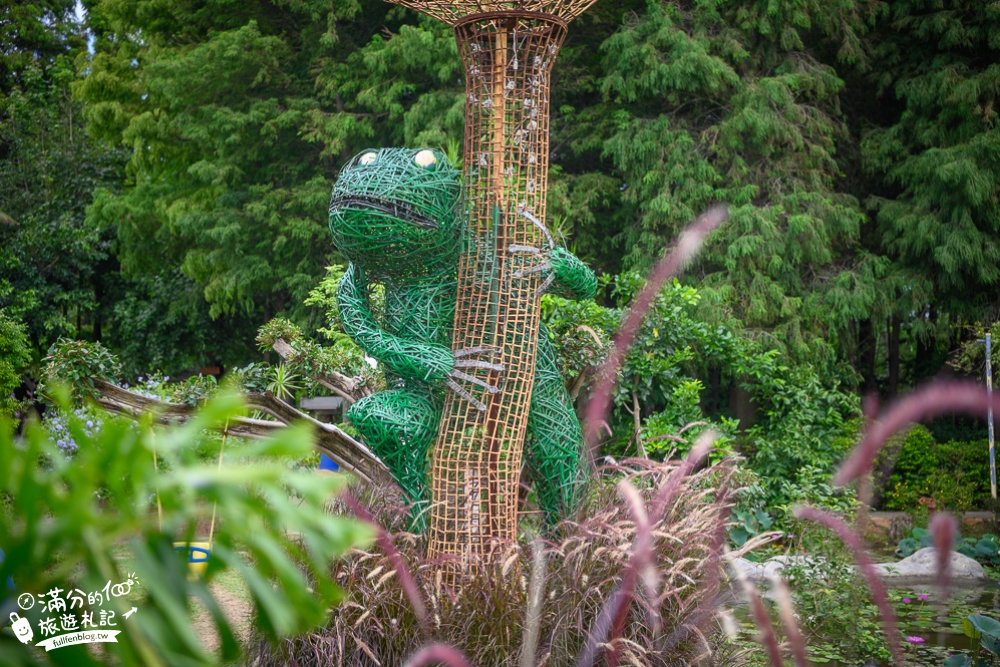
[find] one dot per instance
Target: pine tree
(54, 266)
(740, 103)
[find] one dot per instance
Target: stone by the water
(921, 567)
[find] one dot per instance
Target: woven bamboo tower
(508, 49)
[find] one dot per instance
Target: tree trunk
(893, 385)
(867, 348)
(743, 406)
(924, 365)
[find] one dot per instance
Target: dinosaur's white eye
(425, 158)
(367, 158)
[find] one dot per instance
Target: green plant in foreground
(56, 533)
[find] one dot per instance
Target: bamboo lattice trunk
(508, 49)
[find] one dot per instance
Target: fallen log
(351, 455)
(350, 389)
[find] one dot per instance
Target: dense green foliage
(235, 120)
(15, 355)
(856, 144)
(796, 429)
(54, 263)
(859, 230)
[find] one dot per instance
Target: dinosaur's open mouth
(396, 209)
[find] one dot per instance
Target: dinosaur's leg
(555, 450)
(399, 426)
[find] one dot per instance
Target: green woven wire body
(396, 214)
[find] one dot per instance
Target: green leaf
(986, 549)
(990, 642)
(975, 625)
(906, 547)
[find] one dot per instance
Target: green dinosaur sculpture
(396, 214)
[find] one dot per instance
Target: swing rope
(215, 505)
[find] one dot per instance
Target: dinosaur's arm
(572, 278)
(410, 359)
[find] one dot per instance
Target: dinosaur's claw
(538, 223)
(463, 360)
(544, 266)
(472, 363)
(454, 386)
(479, 349)
(459, 375)
(545, 284)
(530, 249)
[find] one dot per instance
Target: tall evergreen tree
(54, 266)
(934, 160)
(733, 102)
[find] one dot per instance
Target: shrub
(955, 474)
(799, 440)
(486, 619)
(78, 363)
(15, 355)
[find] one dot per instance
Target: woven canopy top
(454, 12)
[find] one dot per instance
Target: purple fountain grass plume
(687, 245)
(406, 580)
(869, 407)
(713, 580)
(610, 623)
(536, 593)
(671, 486)
(767, 635)
(614, 613)
(924, 403)
(787, 613)
(437, 654)
(851, 539)
(943, 529)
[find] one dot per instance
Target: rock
(764, 572)
(773, 566)
(921, 568)
(749, 569)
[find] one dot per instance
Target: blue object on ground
(10, 580)
(326, 463)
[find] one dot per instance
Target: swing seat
(196, 555)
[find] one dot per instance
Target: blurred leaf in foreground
(272, 528)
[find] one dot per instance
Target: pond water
(939, 626)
